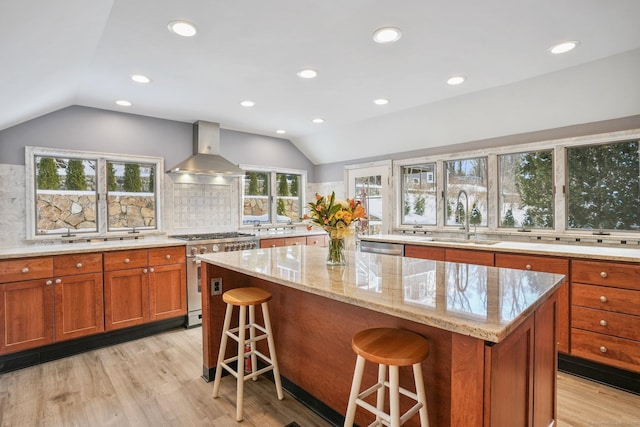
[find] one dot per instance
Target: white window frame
(101, 186)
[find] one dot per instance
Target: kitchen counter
(573, 251)
(60, 248)
(491, 330)
(468, 299)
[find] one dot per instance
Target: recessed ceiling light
(182, 28)
(563, 47)
(386, 35)
(307, 73)
(456, 80)
(139, 78)
(281, 131)
(247, 103)
(381, 101)
(123, 103)
(318, 120)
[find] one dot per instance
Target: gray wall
(335, 171)
(91, 129)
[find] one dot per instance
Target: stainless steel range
(202, 244)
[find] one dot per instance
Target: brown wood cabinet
(605, 317)
(548, 265)
(469, 256)
(424, 252)
(79, 307)
(277, 242)
(154, 289)
(318, 240)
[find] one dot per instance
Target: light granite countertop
(59, 248)
(569, 251)
(483, 302)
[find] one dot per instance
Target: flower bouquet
(335, 217)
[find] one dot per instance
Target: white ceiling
(65, 52)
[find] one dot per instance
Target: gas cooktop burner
(211, 236)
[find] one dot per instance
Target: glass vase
(336, 252)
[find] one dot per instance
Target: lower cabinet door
(79, 306)
(126, 298)
(167, 291)
(26, 315)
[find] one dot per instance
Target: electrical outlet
(216, 286)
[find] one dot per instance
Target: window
(603, 189)
(466, 185)
(526, 190)
(260, 206)
(90, 194)
(419, 194)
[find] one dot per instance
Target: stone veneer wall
(126, 211)
(259, 205)
(66, 210)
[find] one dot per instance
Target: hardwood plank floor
(156, 381)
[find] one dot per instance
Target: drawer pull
(58, 281)
(603, 323)
(152, 269)
(126, 260)
(167, 256)
(603, 349)
(79, 265)
(603, 274)
(273, 246)
(48, 282)
(603, 299)
(144, 270)
(295, 243)
(528, 267)
(25, 270)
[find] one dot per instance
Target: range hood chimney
(206, 158)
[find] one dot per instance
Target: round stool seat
(246, 296)
(390, 346)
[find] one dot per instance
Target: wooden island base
(469, 382)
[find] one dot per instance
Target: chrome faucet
(465, 227)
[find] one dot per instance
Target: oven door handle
(197, 263)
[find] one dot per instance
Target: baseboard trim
(36, 356)
(608, 375)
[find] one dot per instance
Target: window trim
(101, 159)
(273, 185)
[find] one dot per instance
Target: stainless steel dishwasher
(396, 249)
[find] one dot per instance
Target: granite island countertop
(512, 247)
(483, 302)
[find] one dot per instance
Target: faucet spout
(465, 227)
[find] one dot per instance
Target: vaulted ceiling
(83, 52)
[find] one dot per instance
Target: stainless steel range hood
(206, 158)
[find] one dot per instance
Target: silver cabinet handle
(25, 270)
(273, 246)
(603, 299)
(295, 243)
(528, 267)
(145, 270)
(152, 269)
(48, 282)
(603, 323)
(603, 274)
(167, 256)
(58, 281)
(603, 349)
(79, 265)
(126, 261)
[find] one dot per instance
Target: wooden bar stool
(243, 298)
(388, 347)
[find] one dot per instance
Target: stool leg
(422, 395)
(252, 335)
(382, 377)
(355, 391)
(272, 349)
(394, 395)
(240, 373)
(222, 351)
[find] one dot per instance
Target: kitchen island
(492, 330)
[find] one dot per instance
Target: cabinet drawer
(295, 241)
(319, 240)
(533, 263)
(66, 265)
(606, 298)
(165, 256)
(615, 351)
(271, 243)
(606, 322)
(120, 260)
(606, 273)
(424, 252)
(469, 257)
(26, 269)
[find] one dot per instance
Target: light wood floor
(156, 381)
